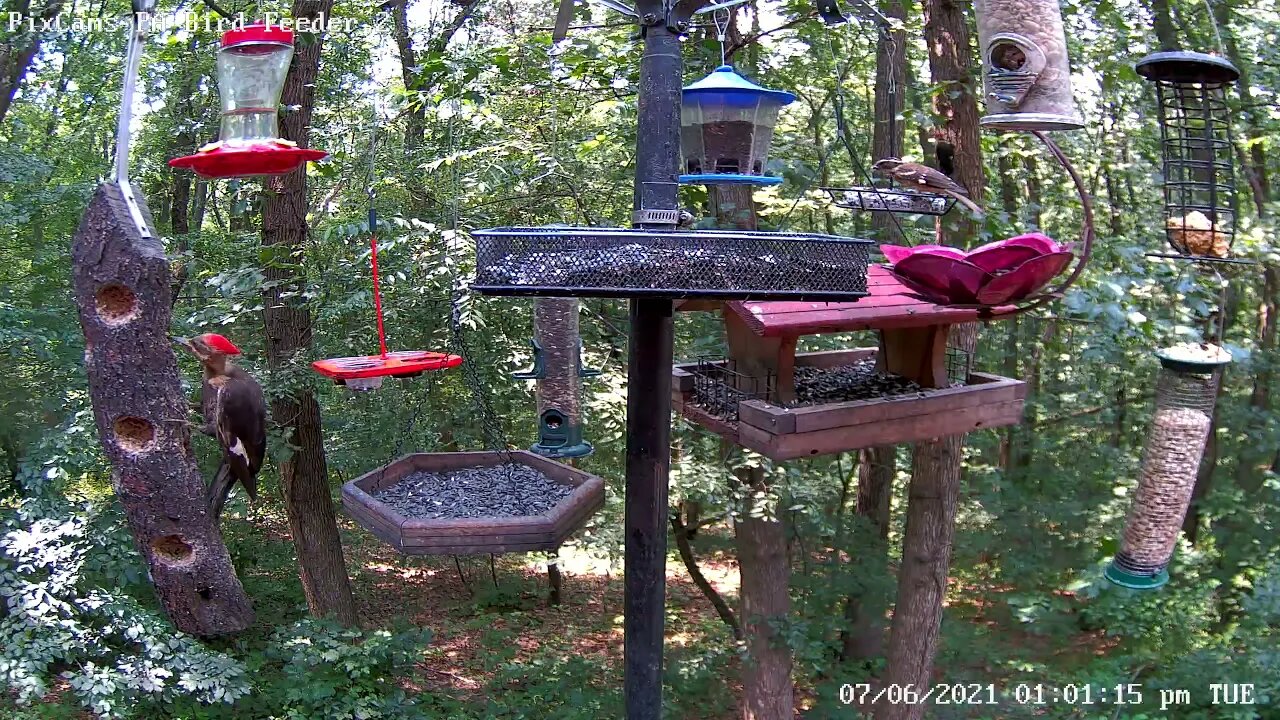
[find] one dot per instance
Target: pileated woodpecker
(234, 412)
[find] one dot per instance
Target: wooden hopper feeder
(913, 344)
(472, 536)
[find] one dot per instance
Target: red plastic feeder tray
(263, 159)
(404, 364)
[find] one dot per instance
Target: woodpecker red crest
(219, 343)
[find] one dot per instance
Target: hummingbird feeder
(726, 127)
(252, 65)
(1196, 152)
(1185, 397)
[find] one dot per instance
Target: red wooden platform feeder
(913, 337)
(252, 64)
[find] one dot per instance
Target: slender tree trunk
(1209, 461)
(1252, 465)
(1259, 179)
(935, 468)
(865, 613)
(304, 476)
(890, 100)
(683, 534)
(184, 143)
(1166, 31)
(19, 48)
(922, 577)
(765, 603)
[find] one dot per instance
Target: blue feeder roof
(724, 81)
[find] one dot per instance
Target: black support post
(649, 375)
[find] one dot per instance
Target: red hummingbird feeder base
(277, 157)
(366, 373)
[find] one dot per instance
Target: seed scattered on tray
(855, 381)
(510, 490)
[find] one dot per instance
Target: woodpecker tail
(219, 489)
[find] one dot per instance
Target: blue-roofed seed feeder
(726, 127)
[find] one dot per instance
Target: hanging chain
(490, 425)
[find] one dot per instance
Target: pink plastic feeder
(994, 274)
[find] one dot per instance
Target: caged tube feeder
(1185, 397)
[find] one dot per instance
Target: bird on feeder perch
(252, 65)
(922, 177)
(726, 127)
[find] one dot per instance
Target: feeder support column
(649, 372)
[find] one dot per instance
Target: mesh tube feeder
(1196, 152)
(1026, 69)
(1186, 393)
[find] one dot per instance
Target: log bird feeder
(1196, 152)
(1185, 397)
(252, 65)
(1026, 71)
(558, 370)
(726, 127)
(913, 333)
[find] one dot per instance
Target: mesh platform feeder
(1197, 156)
(558, 370)
(1185, 397)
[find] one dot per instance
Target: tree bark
(1166, 31)
(20, 48)
(304, 476)
(890, 101)
(766, 603)
(122, 293)
(865, 638)
(1252, 465)
(1259, 179)
(682, 534)
(955, 106)
(922, 577)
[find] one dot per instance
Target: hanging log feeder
(472, 536)
(923, 400)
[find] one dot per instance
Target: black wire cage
(1196, 151)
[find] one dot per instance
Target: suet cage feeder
(558, 371)
(1026, 70)
(1196, 152)
(252, 64)
(726, 128)
(1185, 396)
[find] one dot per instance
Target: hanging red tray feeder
(252, 65)
(402, 364)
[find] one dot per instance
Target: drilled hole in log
(206, 593)
(117, 304)
(134, 435)
(1008, 56)
(171, 549)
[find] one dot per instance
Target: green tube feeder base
(1126, 579)
(558, 438)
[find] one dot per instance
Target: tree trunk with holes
(122, 285)
(304, 477)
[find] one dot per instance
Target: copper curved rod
(1087, 232)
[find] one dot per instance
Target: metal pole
(649, 376)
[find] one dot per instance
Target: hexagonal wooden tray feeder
(472, 536)
(913, 344)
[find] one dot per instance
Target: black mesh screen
(612, 262)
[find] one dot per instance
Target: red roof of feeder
(258, 32)
(890, 305)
